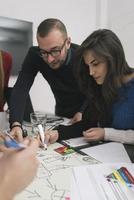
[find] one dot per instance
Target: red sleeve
(7, 63)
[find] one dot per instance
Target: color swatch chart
(120, 180)
(103, 182)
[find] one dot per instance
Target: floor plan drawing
(52, 181)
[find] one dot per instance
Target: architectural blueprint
(52, 181)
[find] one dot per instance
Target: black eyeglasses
(55, 53)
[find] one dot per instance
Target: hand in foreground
(76, 118)
(94, 134)
(16, 132)
(51, 136)
(17, 169)
(2, 146)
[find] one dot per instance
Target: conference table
(54, 175)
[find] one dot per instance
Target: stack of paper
(98, 182)
(76, 142)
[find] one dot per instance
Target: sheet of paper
(52, 181)
(75, 193)
(91, 183)
(109, 152)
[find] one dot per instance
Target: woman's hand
(94, 134)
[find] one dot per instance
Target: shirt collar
(68, 56)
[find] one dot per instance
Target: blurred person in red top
(5, 69)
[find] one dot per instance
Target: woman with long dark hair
(106, 79)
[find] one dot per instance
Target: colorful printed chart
(103, 182)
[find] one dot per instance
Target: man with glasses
(54, 59)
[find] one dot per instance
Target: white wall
(121, 21)
(79, 17)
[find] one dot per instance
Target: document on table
(109, 152)
(94, 182)
(52, 181)
(76, 142)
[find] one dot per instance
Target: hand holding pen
(42, 136)
(10, 142)
(19, 167)
(51, 136)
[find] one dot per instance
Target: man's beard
(56, 65)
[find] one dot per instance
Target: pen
(128, 174)
(42, 136)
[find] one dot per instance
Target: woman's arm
(62, 132)
(123, 136)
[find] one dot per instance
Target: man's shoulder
(34, 48)
(74, 46)
(33, 52)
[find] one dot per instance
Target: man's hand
(51, 136)
(76, 118)
(16, 132)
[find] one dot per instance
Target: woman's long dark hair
(104, 44)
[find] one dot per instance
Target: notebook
(79, 142)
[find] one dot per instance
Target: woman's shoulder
(130, 83)
(127, 88)
(129, 80)
(6, 56)
(7, 60)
